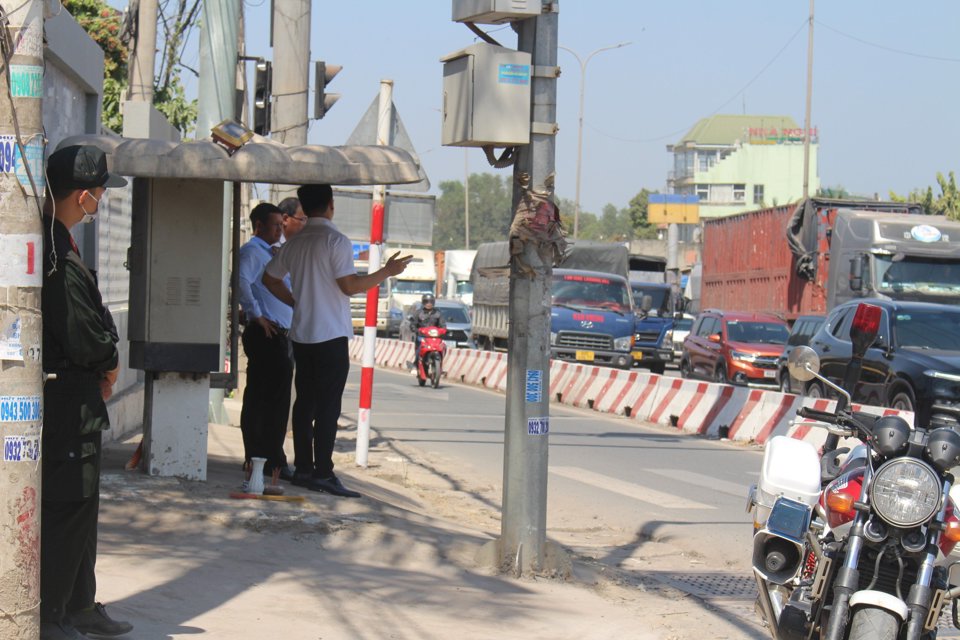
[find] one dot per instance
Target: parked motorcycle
(430, 355)
(857, 550)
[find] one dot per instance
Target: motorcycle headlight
(553, 338)
(740, 355)
(905, 492)
(623, 344)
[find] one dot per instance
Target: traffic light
(261, 97)
(323, 101)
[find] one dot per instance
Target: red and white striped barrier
(695, 407)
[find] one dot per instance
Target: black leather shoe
(333, 486)
(301, 479)
(97, 622)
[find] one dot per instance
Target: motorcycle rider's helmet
(427, 299)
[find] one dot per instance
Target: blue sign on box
(514, 74)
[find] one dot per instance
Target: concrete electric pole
(291, 77)
(523, 544)
(806, 116)
(21, 246)
(144, 55)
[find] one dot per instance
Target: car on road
(678, 333)
(803, 329)
(734, 346)
(455, 314)
(913, 365)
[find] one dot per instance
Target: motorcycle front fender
(880, 600)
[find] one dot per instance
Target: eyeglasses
(300, 219)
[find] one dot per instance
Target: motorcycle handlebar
(821, 416)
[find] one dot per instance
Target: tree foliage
(947, 203)
(491, 212)
(105, 25)
(643, 229)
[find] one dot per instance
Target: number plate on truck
(585, 355)
(638, 355)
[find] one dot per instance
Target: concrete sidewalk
(180, 559)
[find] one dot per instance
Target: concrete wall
(73, 84)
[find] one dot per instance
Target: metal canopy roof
(260, 160)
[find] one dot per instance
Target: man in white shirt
(293, 219)
(319, 260)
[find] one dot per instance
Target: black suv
(804, 328)
(914, 364)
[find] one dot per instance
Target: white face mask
(89, 217)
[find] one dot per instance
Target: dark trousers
(266, 398)
(68, 556)
(322, 370)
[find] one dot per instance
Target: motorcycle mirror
(866, 326)
(803, 362)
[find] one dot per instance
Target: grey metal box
(495, 11)
(175, 262)
(486, 97)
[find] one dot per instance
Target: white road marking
(635, 491)
(700, 480)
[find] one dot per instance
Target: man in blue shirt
(266, 398)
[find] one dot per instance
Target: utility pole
(291, 77)
(21, 381)
(523, 544)
(144, 55)
(806, 117)
(384, 130)
(466, 199)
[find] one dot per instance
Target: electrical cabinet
(176, 264)
(486, 97)
(495, 11)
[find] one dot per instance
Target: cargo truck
(591, 315)
(805, 259)
(455, 265)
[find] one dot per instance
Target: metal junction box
(495, 11)
(175, 262)
(486, 97)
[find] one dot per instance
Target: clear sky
(884, 98)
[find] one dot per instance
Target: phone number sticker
(19, 408)
(538, 426)
(534, 390)
(21, 448)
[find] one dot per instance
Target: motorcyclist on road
(426, 316)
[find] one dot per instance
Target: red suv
(731, 346)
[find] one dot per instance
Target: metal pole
(806, 117)
(466, 199)
(291, 77)
(144, 55)
(216, 101)
(522, 545)
(384, 130)
(21, 386)
(583, 80)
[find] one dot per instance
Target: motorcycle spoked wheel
(435, 371)
(871, 623)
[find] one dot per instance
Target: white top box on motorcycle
(791, 468)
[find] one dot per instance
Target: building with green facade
(741, 163)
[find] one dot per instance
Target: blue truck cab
(656, 305)
(591, 318)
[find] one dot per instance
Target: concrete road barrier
(703, 408)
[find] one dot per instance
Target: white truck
(456, 285)
(418, 278)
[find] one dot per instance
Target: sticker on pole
(21, 448)
(20, 260)
(12, 161)
(10, 346)
(19, 408)
(534, 385)
(538, 426)
(26, 81)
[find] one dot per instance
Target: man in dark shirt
(426, 316)
(80, 356)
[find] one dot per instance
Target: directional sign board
(670, 208)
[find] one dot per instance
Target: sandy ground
(180, 559)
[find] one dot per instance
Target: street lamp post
(583, 75)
